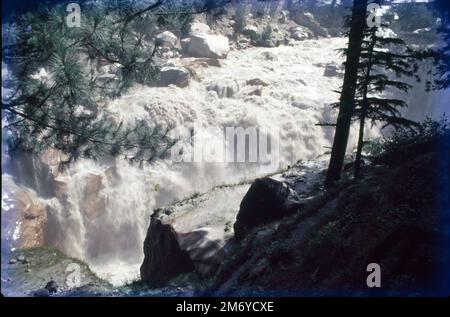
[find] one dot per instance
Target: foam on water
(110, 239)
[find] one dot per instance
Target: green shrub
(374, 147)
(429, 131)
(428, 134)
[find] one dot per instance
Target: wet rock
(198, 28)
(306, 19)
(270, 37)
(284, 17)
(166, 39)
(332, 70)
(300, 33)
(166, 53)
(42, 292)
(257, 82)
(206, 45)
(243, 42)
(267, 200)
(256, 92)
(51, 286)
(178, 76)
(206, 253)
(251, 31)
(269, 56)
(163, 257)
(168, 211)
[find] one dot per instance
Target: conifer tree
(384, 60)
(347, 99)
(55, 100)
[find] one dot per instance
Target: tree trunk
(347, 102)
(357, 170)
(364, 106)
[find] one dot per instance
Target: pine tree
(347, 100)
(382, 58)
(56, 100)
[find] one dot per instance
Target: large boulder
(284, 17)
(306, 19)
(167, 39)
(51, 286)
(332, 70)
(257, 82)
(300, 33)
(271, 36)
(163, 257)
(205, 249)
(42, 292)
(172, 75)
(206, 45)
(267, 200)
(198, 28)
(251, 31)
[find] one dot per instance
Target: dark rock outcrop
(51, 287)
(306, 19)
(163, 257)
(178, 76)
(42, 292)
(267, 200)
(207, 255)
(332, 70)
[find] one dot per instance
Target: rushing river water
(99, 211)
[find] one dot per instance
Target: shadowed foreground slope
(394, 216)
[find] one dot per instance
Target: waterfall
(99, 211)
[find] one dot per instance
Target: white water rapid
(100, 211)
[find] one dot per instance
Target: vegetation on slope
(34, 267)
(392, 216)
